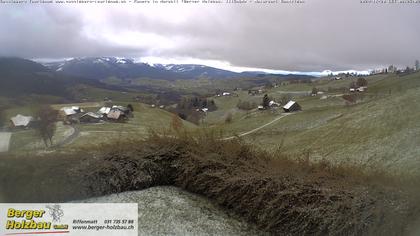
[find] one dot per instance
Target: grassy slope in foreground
(382, 131)
(280, 195)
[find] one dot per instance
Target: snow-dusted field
(169, 210)
(4, 141)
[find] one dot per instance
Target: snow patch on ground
(5, 141)
(169, 210)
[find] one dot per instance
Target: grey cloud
(47, 32)
(317, 35)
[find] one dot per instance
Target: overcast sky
(315, 36)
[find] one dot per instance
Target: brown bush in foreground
(281, 196)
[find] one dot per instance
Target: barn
(68, 111)
(116, 115)
(104, 110)
(292, 106)
(90, 117)
(21, 121)
(273, 104)
(125, 110)
(71, 115)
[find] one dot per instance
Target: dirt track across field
(256, 129)
(69, 139)
(4, 141)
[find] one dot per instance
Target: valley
(365, 133)
(339, 137)
(260, 118)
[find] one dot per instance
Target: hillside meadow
(379, 131)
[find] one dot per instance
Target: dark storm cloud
(314, 36)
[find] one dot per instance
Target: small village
(117, 114)
(76, 115)
(73, 123)
(210, 117)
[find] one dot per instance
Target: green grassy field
(145, 119)
(381, 131)
(89, 93)
(28, 140)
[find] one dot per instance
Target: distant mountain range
(200, 71)
(22, 77)
(99, 68)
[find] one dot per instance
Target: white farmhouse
(21, 121)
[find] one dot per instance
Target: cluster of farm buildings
(75, 114)
(290, 106)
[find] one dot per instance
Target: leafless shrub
(281, 194)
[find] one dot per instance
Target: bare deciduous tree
(46, 123)
(266, 101)
(130, 107)
(361, 82)
(314, 90)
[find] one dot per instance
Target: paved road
(4, 141)
(261, 127)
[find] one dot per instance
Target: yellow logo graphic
(27, 221)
